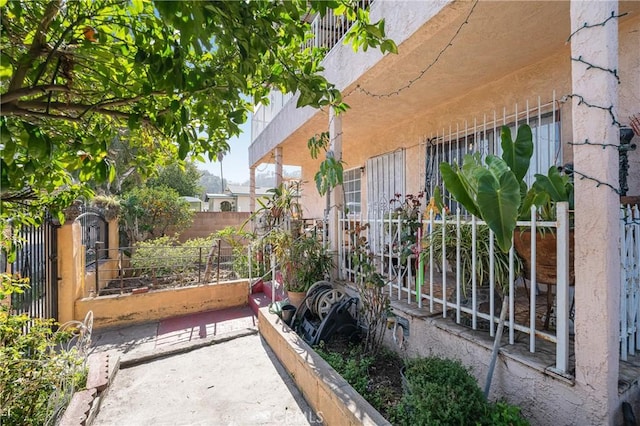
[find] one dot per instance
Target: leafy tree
(210, 182)
(184, 179)
(169, 79)
(150, 212)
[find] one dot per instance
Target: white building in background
(195, 203)
(236, 198)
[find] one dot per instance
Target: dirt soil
(129, 284)
(384, 375)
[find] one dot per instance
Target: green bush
(36, 377)
(440, 392)
(503, 413)
(158, 256)
(443, 392)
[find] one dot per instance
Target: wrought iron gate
(37, 259)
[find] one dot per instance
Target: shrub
(503, 413)
(151, 212)
(354, 367)
(441, 392)
(36, 380)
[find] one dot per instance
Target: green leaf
(453, 183)
(183, 147)
(554, 184)
(138, 6)
(499, 201)
(517, 154)
(4, 175)
(388, 46)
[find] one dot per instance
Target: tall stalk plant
(375, 304)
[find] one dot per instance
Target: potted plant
(448, 244)
(549, 189)
(281, 205)
(303, 261)
(497, 193)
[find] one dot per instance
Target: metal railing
(436, 281)
(95, 233)
(142, 268)
(328, 31)
(629, 280)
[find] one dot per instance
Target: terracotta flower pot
(296, 297)
(546, 255)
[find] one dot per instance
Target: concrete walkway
(203, 369)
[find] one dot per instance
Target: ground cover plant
(433, 391)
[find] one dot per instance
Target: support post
(278, 154)
(594, 38)
(336, 204)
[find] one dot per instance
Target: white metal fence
(448, 280)
(630, 281)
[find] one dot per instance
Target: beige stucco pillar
(252, 189)
(336, 202)
(278, 154)
(597, 236)
(70, 269)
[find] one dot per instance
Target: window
(351, 183)
(484, 138)
(385, 178)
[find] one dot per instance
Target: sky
(235, 164)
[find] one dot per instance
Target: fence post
(97, 263)
(562, 288)
(199, 264)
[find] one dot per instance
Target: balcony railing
(328, 31)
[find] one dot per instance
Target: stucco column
(252, 189)
(70, 269)
(278, 153)
(597, 236)
(337, 195)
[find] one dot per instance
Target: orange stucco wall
(125, 309)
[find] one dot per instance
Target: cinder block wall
(206, 223)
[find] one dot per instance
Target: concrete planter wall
(131, 308)
(332, 398)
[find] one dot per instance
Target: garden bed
(130, 284)
(440, 391)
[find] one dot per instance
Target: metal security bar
(453, 281)
(482, 134)
(37, 260)
(629, 280)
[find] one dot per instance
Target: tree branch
(14, 95)
(11, 109)
(26, 61)
(39, 109)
